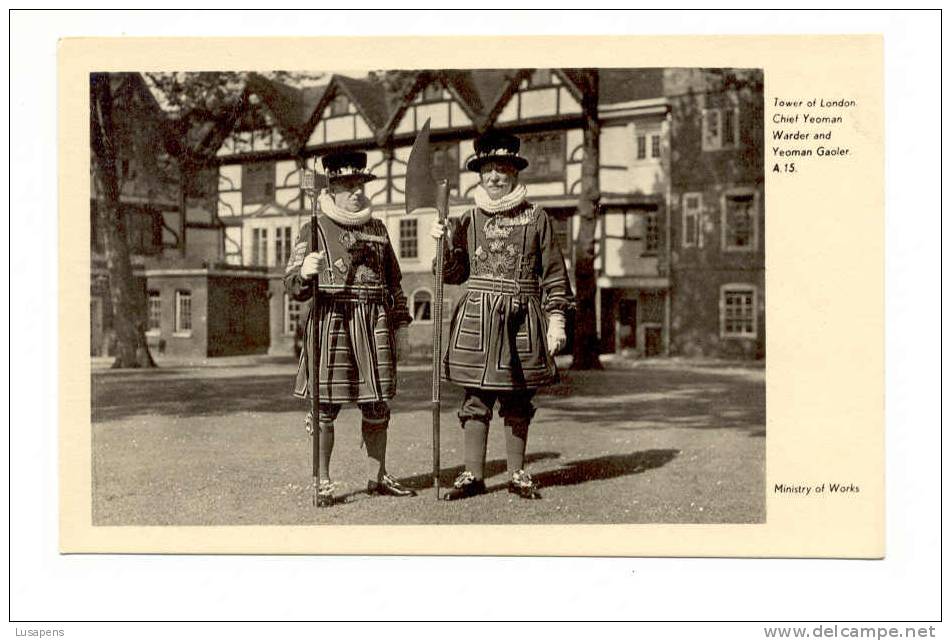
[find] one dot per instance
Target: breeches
(514, 407)
(376, 415)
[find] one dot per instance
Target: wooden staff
(442, 210)
(310, 186)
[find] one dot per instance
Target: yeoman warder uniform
(511, 320)
(360, 308)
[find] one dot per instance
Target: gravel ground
(659, 441)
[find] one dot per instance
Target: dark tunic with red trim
(515, 276)
(360, 305)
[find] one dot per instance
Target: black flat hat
(498, 146)
(343, 165)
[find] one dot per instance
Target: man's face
(498, 178)
(348, 194)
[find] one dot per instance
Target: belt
(355, 296)
(520, 287)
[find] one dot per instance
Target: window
(546, 157)
(257, 183)
(540, 78)
(738, 311)
(641, 224)
(655, 146)
(641, 147)
(720, 129)
(561, 225)
(692, 214)
(183, 312)
(143, 231)
(259, 246)
(291, 315)
(282, 246)
(409, 238)
(651, 233)
(422, 305)
(446, 163)
(340, 105)
(431, 93)
(155, 310)
(739, 222)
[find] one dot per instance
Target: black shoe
(523, 485)
(324, 497)
(388, 486)
(465, 486)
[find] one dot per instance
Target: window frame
(154, 296)
(741, 288)
(716, 143)
(283, 245)
(528, 140)
(246, 170)
(754, 222)
(403, 239)
(180, 296)
(697, 215)
(259, 239)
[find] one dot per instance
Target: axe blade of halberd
(420, 186)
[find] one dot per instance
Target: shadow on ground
(624, 399)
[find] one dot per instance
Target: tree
(585, 347)
(128, 304)
(198, 107)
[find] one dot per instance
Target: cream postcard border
(824, 303)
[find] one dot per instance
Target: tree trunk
(128, 302)
(586, 348)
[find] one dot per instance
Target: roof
(482, 93)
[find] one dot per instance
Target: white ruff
(509, 201)
(342, 216)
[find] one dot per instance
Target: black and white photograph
(519, 296)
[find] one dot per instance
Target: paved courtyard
(659, 441)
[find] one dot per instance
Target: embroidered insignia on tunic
(498, 262)
(340, 265)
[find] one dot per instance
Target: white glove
(556, 333)
(402, 343)
(438, 229)
(313, 263)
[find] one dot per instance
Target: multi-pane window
(561, 225)
(641, 147)
(155, 310)
(340, 105)
(257, 183)
(738, 311)
(651, 233)
(282, 246)
(446, 163)
(291, 314)
(648, 146)
(183, 311)
(409, 238)
(546, 157)
(422, 305)
(720, 128)
(692, 208)
(739, 222)
(259, 246)
(143, 231)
